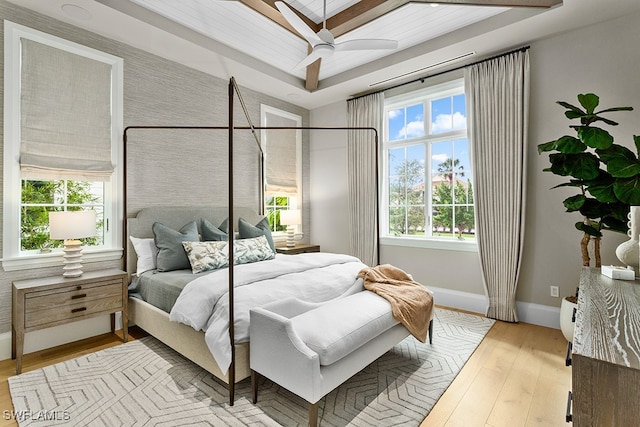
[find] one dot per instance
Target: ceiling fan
(322, 43)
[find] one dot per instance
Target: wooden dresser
(606, 352)
(50, 301)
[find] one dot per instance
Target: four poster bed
(162, 299)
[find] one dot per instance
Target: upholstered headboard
(175, 217)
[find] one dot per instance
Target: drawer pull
(569, 417)
(78, 288)
(77, 310)
(567, 361)
(78, 296)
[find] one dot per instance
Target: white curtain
(65, 115)
(497, 93)
(362, 157)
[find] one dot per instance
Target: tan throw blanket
(411, 303)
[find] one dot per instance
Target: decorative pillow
(260, 229)
(146, 252)
(171, 254)
(252, 250)
(211, 233)
(205, 256)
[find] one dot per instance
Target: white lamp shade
(69, 225)
(290, 217)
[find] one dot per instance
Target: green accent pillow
(262, 228)
(211, 233)
(171, 254)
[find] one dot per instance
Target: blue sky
(447, 114)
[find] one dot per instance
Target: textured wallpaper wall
(165, 168)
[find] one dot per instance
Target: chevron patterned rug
(144, 382)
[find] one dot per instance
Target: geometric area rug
(145, 383)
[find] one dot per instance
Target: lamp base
(72, 258)
(290, 237)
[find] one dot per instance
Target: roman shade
(65, 115)
(281, 160)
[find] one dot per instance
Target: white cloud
(440, 158)
(413, 129)
(394, 113)
(443, 122)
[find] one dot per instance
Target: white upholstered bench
(310, 349)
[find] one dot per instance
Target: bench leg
(313, 414)
(254, 385)
(431, 331)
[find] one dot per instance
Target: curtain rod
(421, 79)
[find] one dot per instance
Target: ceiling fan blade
(298, 24)
(366, 44)
(311, 58)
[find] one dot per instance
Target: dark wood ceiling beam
(268, 9)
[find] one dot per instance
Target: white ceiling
(226, 38)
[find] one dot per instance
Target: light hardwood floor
(516, 377)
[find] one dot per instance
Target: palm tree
(449, 167)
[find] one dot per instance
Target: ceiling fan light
(324, 50)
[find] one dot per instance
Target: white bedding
(312, 277)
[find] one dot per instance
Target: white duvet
(203, 304)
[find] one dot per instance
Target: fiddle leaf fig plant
(606, 175)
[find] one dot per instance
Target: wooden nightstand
(56, 300)
(299, 248)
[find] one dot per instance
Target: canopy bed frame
(180, 337)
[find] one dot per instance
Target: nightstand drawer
(66, 312)
(44, 300)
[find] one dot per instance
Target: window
(427, 187)
(283, 164)
(81, 172)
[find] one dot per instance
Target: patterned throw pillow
(205, 256)
(252, 250)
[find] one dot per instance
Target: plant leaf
(593, 209)
(608, 110)
(620, 161)
(636, 141)
(573, 108)
(571, 183)
(589, 101)
(565, 144)
(592, 231)
(580, 165)
(574, 203)
(614, 224)
(602, 187)
(628, 190)
(594, 137)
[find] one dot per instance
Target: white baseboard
(58, 335)
(535, 314)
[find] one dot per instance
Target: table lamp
(71, 226)
(290, 218)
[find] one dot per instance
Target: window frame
(424, 97)
(13, 258)
(294, 202)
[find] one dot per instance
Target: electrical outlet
(555, 292)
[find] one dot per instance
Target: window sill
(54, 259)
(433, 243)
